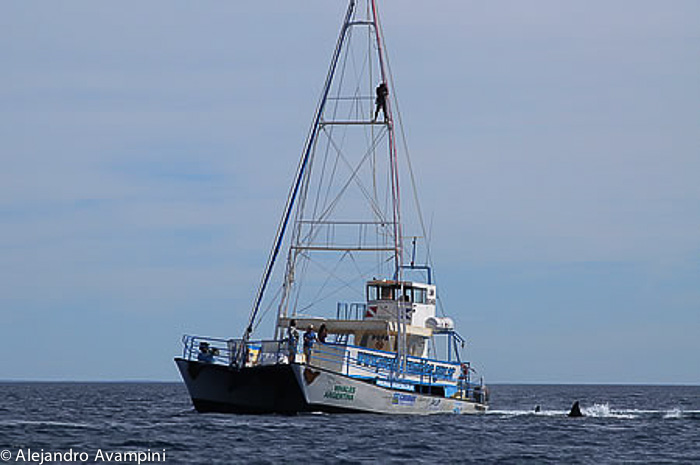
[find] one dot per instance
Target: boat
(375, 338)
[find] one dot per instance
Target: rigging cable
(414, 186)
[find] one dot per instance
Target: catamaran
(373, 338)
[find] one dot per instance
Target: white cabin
(387, 301)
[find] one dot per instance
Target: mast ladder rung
(344, 249)
(355, 98)
(354, 123)
(350, 223)
(361, 23)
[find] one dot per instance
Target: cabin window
(386, 293)
(407, 294)
(372, 293)
(419, 296)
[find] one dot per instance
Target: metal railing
(352, 361)
(384, 368)
(206, 349)
(351, 310)
(225, 351)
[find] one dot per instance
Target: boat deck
(381, 368)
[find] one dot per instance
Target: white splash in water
(674, 413)
(515, 413)
(601, 410)
(604, 411)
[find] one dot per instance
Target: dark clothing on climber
(382, 94)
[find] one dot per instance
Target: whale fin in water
(575, 410)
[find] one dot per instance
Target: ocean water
(623, 424)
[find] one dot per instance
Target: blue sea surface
(623, 424)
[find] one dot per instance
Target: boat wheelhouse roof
(396, 284)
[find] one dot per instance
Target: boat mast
(402, 348)
(284, 221)
(316, 221)
(392, 150)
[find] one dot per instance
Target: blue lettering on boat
(412, 368)
(400, 398)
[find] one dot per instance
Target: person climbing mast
(382, 94)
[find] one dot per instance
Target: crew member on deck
(309, 339)
(322, 333)
(205, 354)
(292, 340)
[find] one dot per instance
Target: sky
(147, 149)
